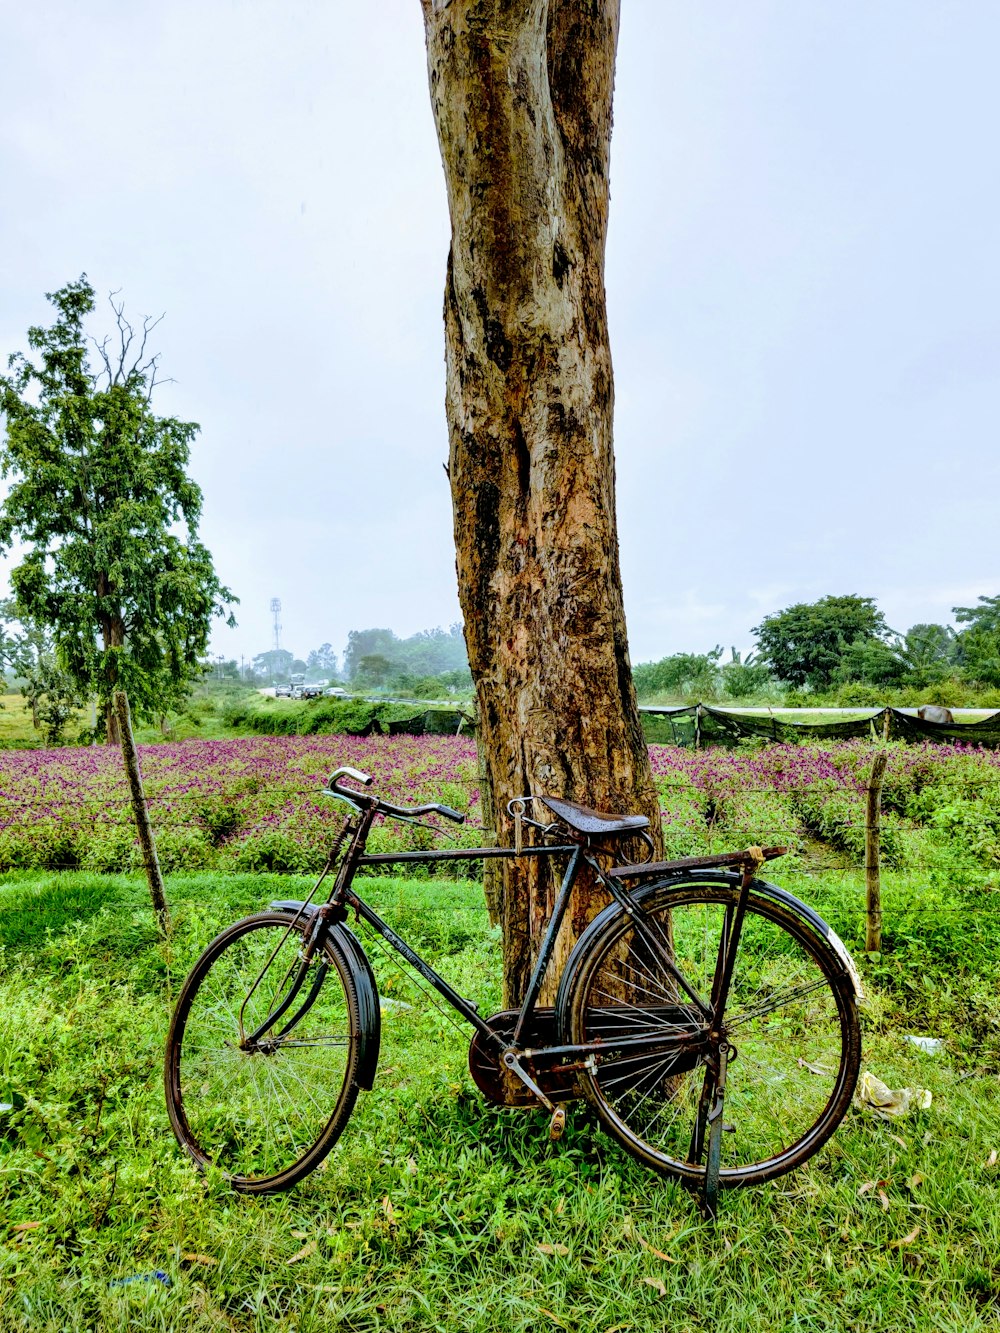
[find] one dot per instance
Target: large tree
(521, 92)
(806, 643)
(101, 500)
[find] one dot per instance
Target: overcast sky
(803, 285)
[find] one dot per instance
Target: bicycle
(708, 1016)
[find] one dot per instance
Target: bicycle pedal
(557, 1124)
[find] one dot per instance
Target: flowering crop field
(255, 803)
(251, 803)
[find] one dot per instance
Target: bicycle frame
(343, 897)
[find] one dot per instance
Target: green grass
(437, 1211)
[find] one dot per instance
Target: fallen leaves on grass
(659, 1253)
(546, 1248)
(658, 1286)
(990, 1161)
(307, 1249)
(905, 1240)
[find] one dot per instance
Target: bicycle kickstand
(716, 1129)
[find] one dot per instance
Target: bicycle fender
(368, 1003)
(370, 1036)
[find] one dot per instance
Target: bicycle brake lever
(339, 796)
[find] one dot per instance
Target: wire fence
(73, 812)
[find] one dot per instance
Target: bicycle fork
(295, 977)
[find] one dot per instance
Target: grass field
(439, 1212)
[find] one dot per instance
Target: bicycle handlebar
(399, 811)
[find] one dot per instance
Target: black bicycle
(709, 1017)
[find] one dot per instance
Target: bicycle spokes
(772, 1066)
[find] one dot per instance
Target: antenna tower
(276, 612)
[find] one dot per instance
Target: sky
(803, 285)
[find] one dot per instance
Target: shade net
(705, 724)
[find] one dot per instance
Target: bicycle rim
(264, 1113)
(791, 1020)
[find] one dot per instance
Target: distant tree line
(424, 664)
(834, 644)
(839, 645)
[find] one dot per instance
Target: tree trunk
(144, 828)
(521, 92)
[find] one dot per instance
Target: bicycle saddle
(585, 820)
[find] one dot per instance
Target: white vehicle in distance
(336, 692)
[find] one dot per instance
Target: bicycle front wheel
(262, 1054)
(790, 1024)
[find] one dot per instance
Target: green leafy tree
(741, 679)
(100, 497)
(984, 617)
(52, 696)
(373, 669)
(978, 643)
(51, 693)
(363, 643)
(930, 652)
(426, 653)
(872, 662)
(805, 643)
(322, 661)
(275, 664)
(682, 675)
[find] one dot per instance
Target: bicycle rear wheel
(791, 1023)
(263, 1111)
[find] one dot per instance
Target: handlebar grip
(449, 813)
(354, 773)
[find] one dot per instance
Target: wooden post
(140, 812)
(873, 885)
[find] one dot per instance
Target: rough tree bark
(522, 93)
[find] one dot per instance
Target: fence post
(873, 839)
(143, 827)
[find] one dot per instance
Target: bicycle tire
(791, 1016)
(264, 1117)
